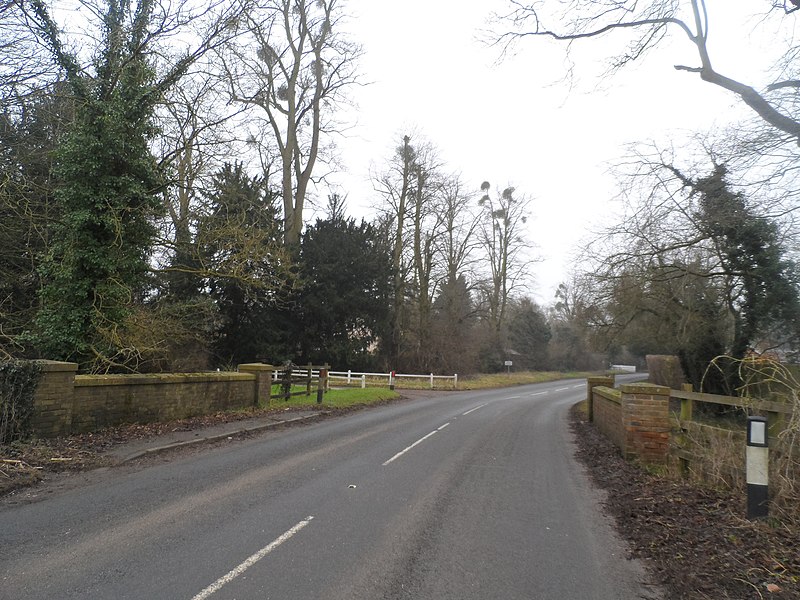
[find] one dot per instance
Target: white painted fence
(362, 379)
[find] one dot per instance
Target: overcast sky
(517, 122)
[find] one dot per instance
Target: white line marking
(540, 393)
(561, 389)
(512, 398)
(473, 409)
(233, 574)
(578, 386)
(419, 441)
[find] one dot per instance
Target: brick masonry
(636, 419)
(66, 403)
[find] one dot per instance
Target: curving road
(471, 495)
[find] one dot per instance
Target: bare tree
(294, 65)
(457, 243)
(649, 23)
(195, 138)
(696, 266)
(394, 185)
(504, 243)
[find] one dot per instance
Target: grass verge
(338, 398)
(498, 380)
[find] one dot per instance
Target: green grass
(343, 398)
(497, 380)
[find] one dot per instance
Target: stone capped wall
(67, 403)
(635, 418)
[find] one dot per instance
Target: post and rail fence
(659, 425)
(354, 378)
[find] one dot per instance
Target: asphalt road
(471, 495)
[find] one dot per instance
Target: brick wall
(635, 418)
(52, 401)
(645, 418)
(68, 403)
(608, 413)
(107, 400)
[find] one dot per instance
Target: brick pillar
(52, 401)
(263, 373)
(591, 383)
(645, 421)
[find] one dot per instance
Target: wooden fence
(353, 378)
(700, 439)
(290, 376)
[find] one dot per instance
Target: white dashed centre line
(540, 393)
(234, 573)
(419, 441)
(473, 410)
(560, 389)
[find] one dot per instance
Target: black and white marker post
(757, 460)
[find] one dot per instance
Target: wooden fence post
(686, 403)
(687, 410)
(322, 382)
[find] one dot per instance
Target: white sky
(517, 122)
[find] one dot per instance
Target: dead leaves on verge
(696, 541)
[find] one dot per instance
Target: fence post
(455, 381)
(322, 382)
(308, 380)
(349, 373)
(686, 403)
(431, 380)
(363, 380)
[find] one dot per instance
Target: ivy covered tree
(107, 181)
(761, 283)
(107, 189)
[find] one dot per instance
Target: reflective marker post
(757, 467)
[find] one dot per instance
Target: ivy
(18, 382)
(108, 187)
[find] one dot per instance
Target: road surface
(469, 495)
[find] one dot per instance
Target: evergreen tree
(346, 272)
(529, 334)
(247, 272)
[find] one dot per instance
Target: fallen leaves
(695, 540)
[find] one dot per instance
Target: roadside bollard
(757, 468)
